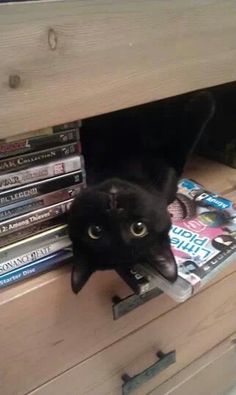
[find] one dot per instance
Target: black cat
(133, 160)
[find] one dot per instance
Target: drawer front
(213, 373)
(49, 329)
(46, 329)
(191, 329)
(121, 53)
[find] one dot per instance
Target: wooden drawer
(191, 329)
(90, 57)
(47, 329)
(213, 373)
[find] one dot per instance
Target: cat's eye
(95, 232)
(138, 229)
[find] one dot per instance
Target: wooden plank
(66, 60)
(49, 329)
(231, 195)
(214, 176)
(199, 325)
(232, 391)
(46, 329)
(213, 373)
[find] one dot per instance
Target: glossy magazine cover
(203, 239)
(206, 235)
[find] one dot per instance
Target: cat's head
(118, 224)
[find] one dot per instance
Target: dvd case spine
(26, 135)
(54, 234)
(33, 218)
(37, 143)
(38, 158)
(67, 126)
(43, 265)
(43, 187)
(38, 173)
(32, 230)
(33, 255)
(29, 205)
(31, 249)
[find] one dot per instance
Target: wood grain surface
(66, 60)
(212, 373)
(191, 329)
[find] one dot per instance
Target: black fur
(133, 160)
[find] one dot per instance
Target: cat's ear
(81, 272)
(164, 263)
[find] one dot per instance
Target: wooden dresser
(64, 60)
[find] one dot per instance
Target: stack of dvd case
(40, 174)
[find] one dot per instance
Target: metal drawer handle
(121, 307)
(132, 383)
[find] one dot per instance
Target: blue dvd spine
(48, 263)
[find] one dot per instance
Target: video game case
(38, 158)
(38, 173)
(37, 143)
(139, 281)
(136, 281)
(35, 217)
(32, 230)
(33, 190)
(26, 135)
(45, 131)
(33, 248)
(20, 208)
(50, 262)
(33, 255)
